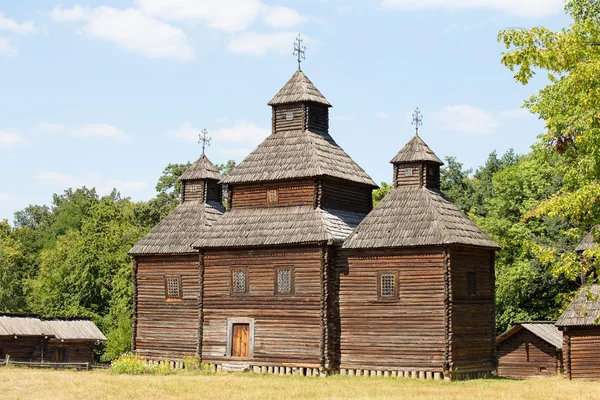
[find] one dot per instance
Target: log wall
(280, 118)
(472, 334)
(525, 355)
(289, 193)
(75, 351)
(420, 174)
(342, 195)
(407, 333)
(167, 328)
(317, 116)
(287, 328)
(582, 361)
(193, 190)
(21, 348)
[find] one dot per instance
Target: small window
(239, 281)
(173, 288)
(388, 285)
(408, 171)
(284, 280)
(471, 284)
(272, 196)
(193, 187)
(289, 115)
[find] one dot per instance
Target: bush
(136, 364)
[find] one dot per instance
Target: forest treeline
(70, 257)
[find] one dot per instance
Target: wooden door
(240, 340)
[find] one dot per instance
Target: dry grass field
(17, 383)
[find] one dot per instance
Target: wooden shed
(580, 325)
(530, 349)
(61, 340)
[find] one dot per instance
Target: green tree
(379, 194)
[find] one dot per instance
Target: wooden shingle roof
(416, 216)
(59, 328)
(588, 241)
(584, 310)
(416, 150)
(201, 169)
(297, 154)
(279, 226)
(176, 233)
(545, 330)
(298, 89)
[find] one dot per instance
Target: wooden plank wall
(75, 351)
(524, 355)
(318, 118)
(21, 348)
(214, 191)
(287, 327)
(193, 190)
(280, 122)
(343, 195)
(432, 176)
(402, 179)
(167, 328)
(473, 332)
(407, 333)
(584, 352)
(290, 193)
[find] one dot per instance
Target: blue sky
(107, 93)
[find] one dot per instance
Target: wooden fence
(78, 366)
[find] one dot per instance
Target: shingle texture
(584, 310)
(588, 241)
(279, 226)
(299, 88)
(416, 216)
(545, 330)
(71, 329)
(297, 154)
(176, 233)
(202, 169)
(416, 150)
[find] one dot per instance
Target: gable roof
(279, 226)
(65, 329)
(297, 154)
(584, 310)
(588, 241)
(176, 233)
(297, 89)
(201, 169)
(416, 150)
(416, 216)
(545, 330)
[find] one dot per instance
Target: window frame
(409, 171)
(292, 281)
(180, 289)
(232, 271)
(471, 282)
(269, 202)
(395, 296)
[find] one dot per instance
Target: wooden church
(300, 275)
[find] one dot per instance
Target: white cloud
(102, 130)
(467, 119)
(131, 29)
(62, 180)
(522, 8)
(5, 197)
(259, 44)
(516, 113)
(7, 24)
(382, 115)
(225, 15)
(50, 127)
(8, 139)
(283, 17)
(241, 133)
(6, 49)
(186, 132)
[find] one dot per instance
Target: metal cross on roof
(417, 119)
(204, 139)
(299, 50)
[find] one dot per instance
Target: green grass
(22, 383)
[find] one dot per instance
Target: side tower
(270, 289)
(166, 269)
(417, 293)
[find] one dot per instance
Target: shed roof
(416, 150)
(545, 330)
(202, 169)
(279, 226)
(416, 216)
(588, 241)
(297, 154)
(584, 310)
(298, 89)
(176, 233)
(60, 328)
